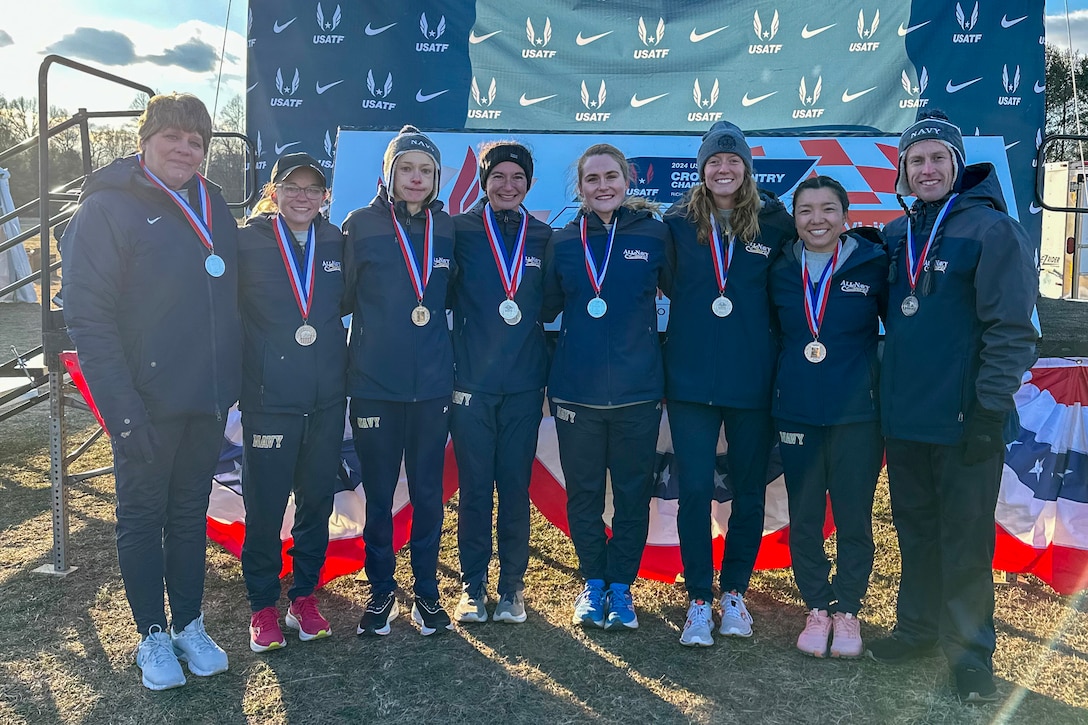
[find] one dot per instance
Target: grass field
(66, 644)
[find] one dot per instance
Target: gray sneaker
(697, 628)
(472, 607)
(193, 645)
(736, 621)
(157, 661)
(511, 608)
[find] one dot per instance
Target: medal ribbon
(597, 278)
(816, 296)
(302, 280)
(914, 268)
(722, 259)
(511, 272)
(419, 281)
(202, 226)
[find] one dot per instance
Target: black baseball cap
(290, 162)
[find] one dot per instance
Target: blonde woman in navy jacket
(719, 360)
(606, 379)
(829, 289)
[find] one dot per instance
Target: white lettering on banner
(808, 112)
(913, 102)
(966, 37)
(382, 105)
(432, 47)
(372, 422)
(267, 441)
(642, 192)
(479, 113)
(591, 116)
(863, 47)
(765, 178)
(704, 117)
(646, 53)
(285, 102)
(328, 39)
(761, 49)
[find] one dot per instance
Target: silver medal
(909, 306)
(815, 352)
(420, 316)
(597, 307)
(508, 310)
(306, 335)
(513, 320)
(722, 306)
(214, 265)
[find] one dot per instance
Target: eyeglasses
(312, 192)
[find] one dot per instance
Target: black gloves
(137, 443)
(983, 436)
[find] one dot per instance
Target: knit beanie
(505, 151)
(931, 124)
(411, 138)
(723, 137)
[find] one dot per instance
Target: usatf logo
(859, 287)
(651, 39)
(967, 24)
(593, 105)
(538, 42)
(286, 91)
(705, 103)
(327, 163)
(331, 265)
(765, 35)
(260, 165)
(866, 34)
(379, 92)
(327, 26)
(639, 181)
(267, 441)
(757, 248)
(809, 100)
(1011, 85)
(249, 30)
(484, 101)
(914, 90)
(636, 254)
(432, 35)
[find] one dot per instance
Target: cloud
(1058, 31)
(107, 47)
(193, 55)
(5, 39)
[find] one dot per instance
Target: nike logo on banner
(474, 39)
(376, 31)
(1009, 146)
(322, 88)
(1006, 23)
(806, 33)
(746, 101)
(424, 98)
(956, 87)
(152, 221)
(281, 149)
(278, 28)
(530, 101)
(637, 102)
(1034, 209)
(905, 31)
(696, 37)
(1039, 88)
(847, 96)
(253, 86)
(586, 41)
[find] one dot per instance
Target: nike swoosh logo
(377, 31)
(586, 41)
(423, 98)
(746, 101)
(806, 33)
(956, 87)
(152, 221)
(321, 89)
(1034, 209)
(281, 149)
(1006, 23)
(278, 28)
(699, 37)
(530, 101)
(1039, 88)
(847, 96)
(906, 31)
(1009, 146)
(253, 86)
(474, 39)
(637, 102)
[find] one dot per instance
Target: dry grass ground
(66, 644)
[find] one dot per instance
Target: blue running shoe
(589, 606)
(621, 608)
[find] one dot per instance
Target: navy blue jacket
(723, 361)
(157, 336)
(389, 357)
(615, 359)
(972, 338)
(843, 387)
(491, 356)
(281, 376)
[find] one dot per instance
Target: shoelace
(511, 599)
(592, 596)
(159, 650)
(851, 624)
(622, 598)
(198, 638)
(733, 608)
(697, 615)
(305, 608)
(374, 607)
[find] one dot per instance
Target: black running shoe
(975, 686)
(430, 616)
(380, 611)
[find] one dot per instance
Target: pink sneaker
(813, 640)
(303, 616)
(846, 641)
(265, 632)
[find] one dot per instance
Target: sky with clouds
(177, 44)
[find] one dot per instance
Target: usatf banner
(839, 68)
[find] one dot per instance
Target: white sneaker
(472, 607)
(697, 628)
(736, 621)
(193, 645)
(157, 661)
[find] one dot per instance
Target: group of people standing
(774, 334)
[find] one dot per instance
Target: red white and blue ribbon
(200, 222)
(510, 271)
(419, 280)
(914, 267)
(722, 255)
(302, 280)
(816, 296)
(596, 278)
